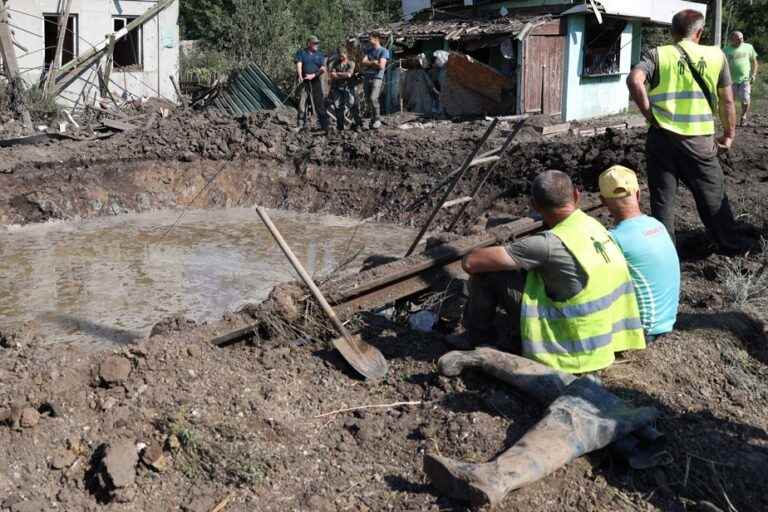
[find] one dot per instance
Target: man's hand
(310, 76)
(723, 144)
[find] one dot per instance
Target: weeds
(745, 280)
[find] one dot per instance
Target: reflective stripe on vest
(581, 334)
(554, 313)
(585, 345)
(677, 102)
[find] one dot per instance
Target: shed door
(543, 71)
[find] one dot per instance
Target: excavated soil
(262, 425)
(213, 161)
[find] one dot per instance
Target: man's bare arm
(754, 68)
(727, 117)
(488, 259)
(299, 70)
(347, 74)
(636, 86)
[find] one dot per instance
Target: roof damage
(455, 28)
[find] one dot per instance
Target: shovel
(363, 357)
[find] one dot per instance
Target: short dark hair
(374, 35)
(551, 190)
(687, 22)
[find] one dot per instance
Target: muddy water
(105, 282)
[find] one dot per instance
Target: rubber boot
(586, 417)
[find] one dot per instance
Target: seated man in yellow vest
(567, 291)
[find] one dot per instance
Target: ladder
(474, 159)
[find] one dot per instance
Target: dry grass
(745, 280)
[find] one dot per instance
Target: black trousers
(317, 100)
(668, 164)
(487, 292)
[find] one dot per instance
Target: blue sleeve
(297, 57)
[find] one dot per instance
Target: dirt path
(244, 422)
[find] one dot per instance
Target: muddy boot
(586, 417)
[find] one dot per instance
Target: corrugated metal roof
(249, 90)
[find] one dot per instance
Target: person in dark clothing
(374, 65)
(310, 66)
(342, 71)
(681, 143)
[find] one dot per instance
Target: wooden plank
(478, 77)
(108, 63)
(10, 64)
(482, 160)
(454, 202)
(554, 128)
(400, 290)
(444, 254)
(120, 126)
(62, 32)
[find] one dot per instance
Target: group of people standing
(343, 76)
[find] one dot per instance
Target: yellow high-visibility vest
(583, 333)
(678, 103)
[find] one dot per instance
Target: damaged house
(568, 58)
(130, 47)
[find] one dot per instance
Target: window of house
(602, 46)
(51, 39)
(128, 54)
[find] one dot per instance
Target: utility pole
(718, 23)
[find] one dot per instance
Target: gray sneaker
(375, 125)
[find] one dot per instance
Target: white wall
(160, 41)
(412, 6)
(587, 97)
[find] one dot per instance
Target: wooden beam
(62, 32)
(110, 60)
(10, 65)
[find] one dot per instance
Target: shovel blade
(366, 359)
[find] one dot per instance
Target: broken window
(127, 56)
(602, 46)
(51, 39)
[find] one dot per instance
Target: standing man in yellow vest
(567, 291)
(687, 84)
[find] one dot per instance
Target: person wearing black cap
(310, 66)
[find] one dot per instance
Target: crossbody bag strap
(697, 76)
